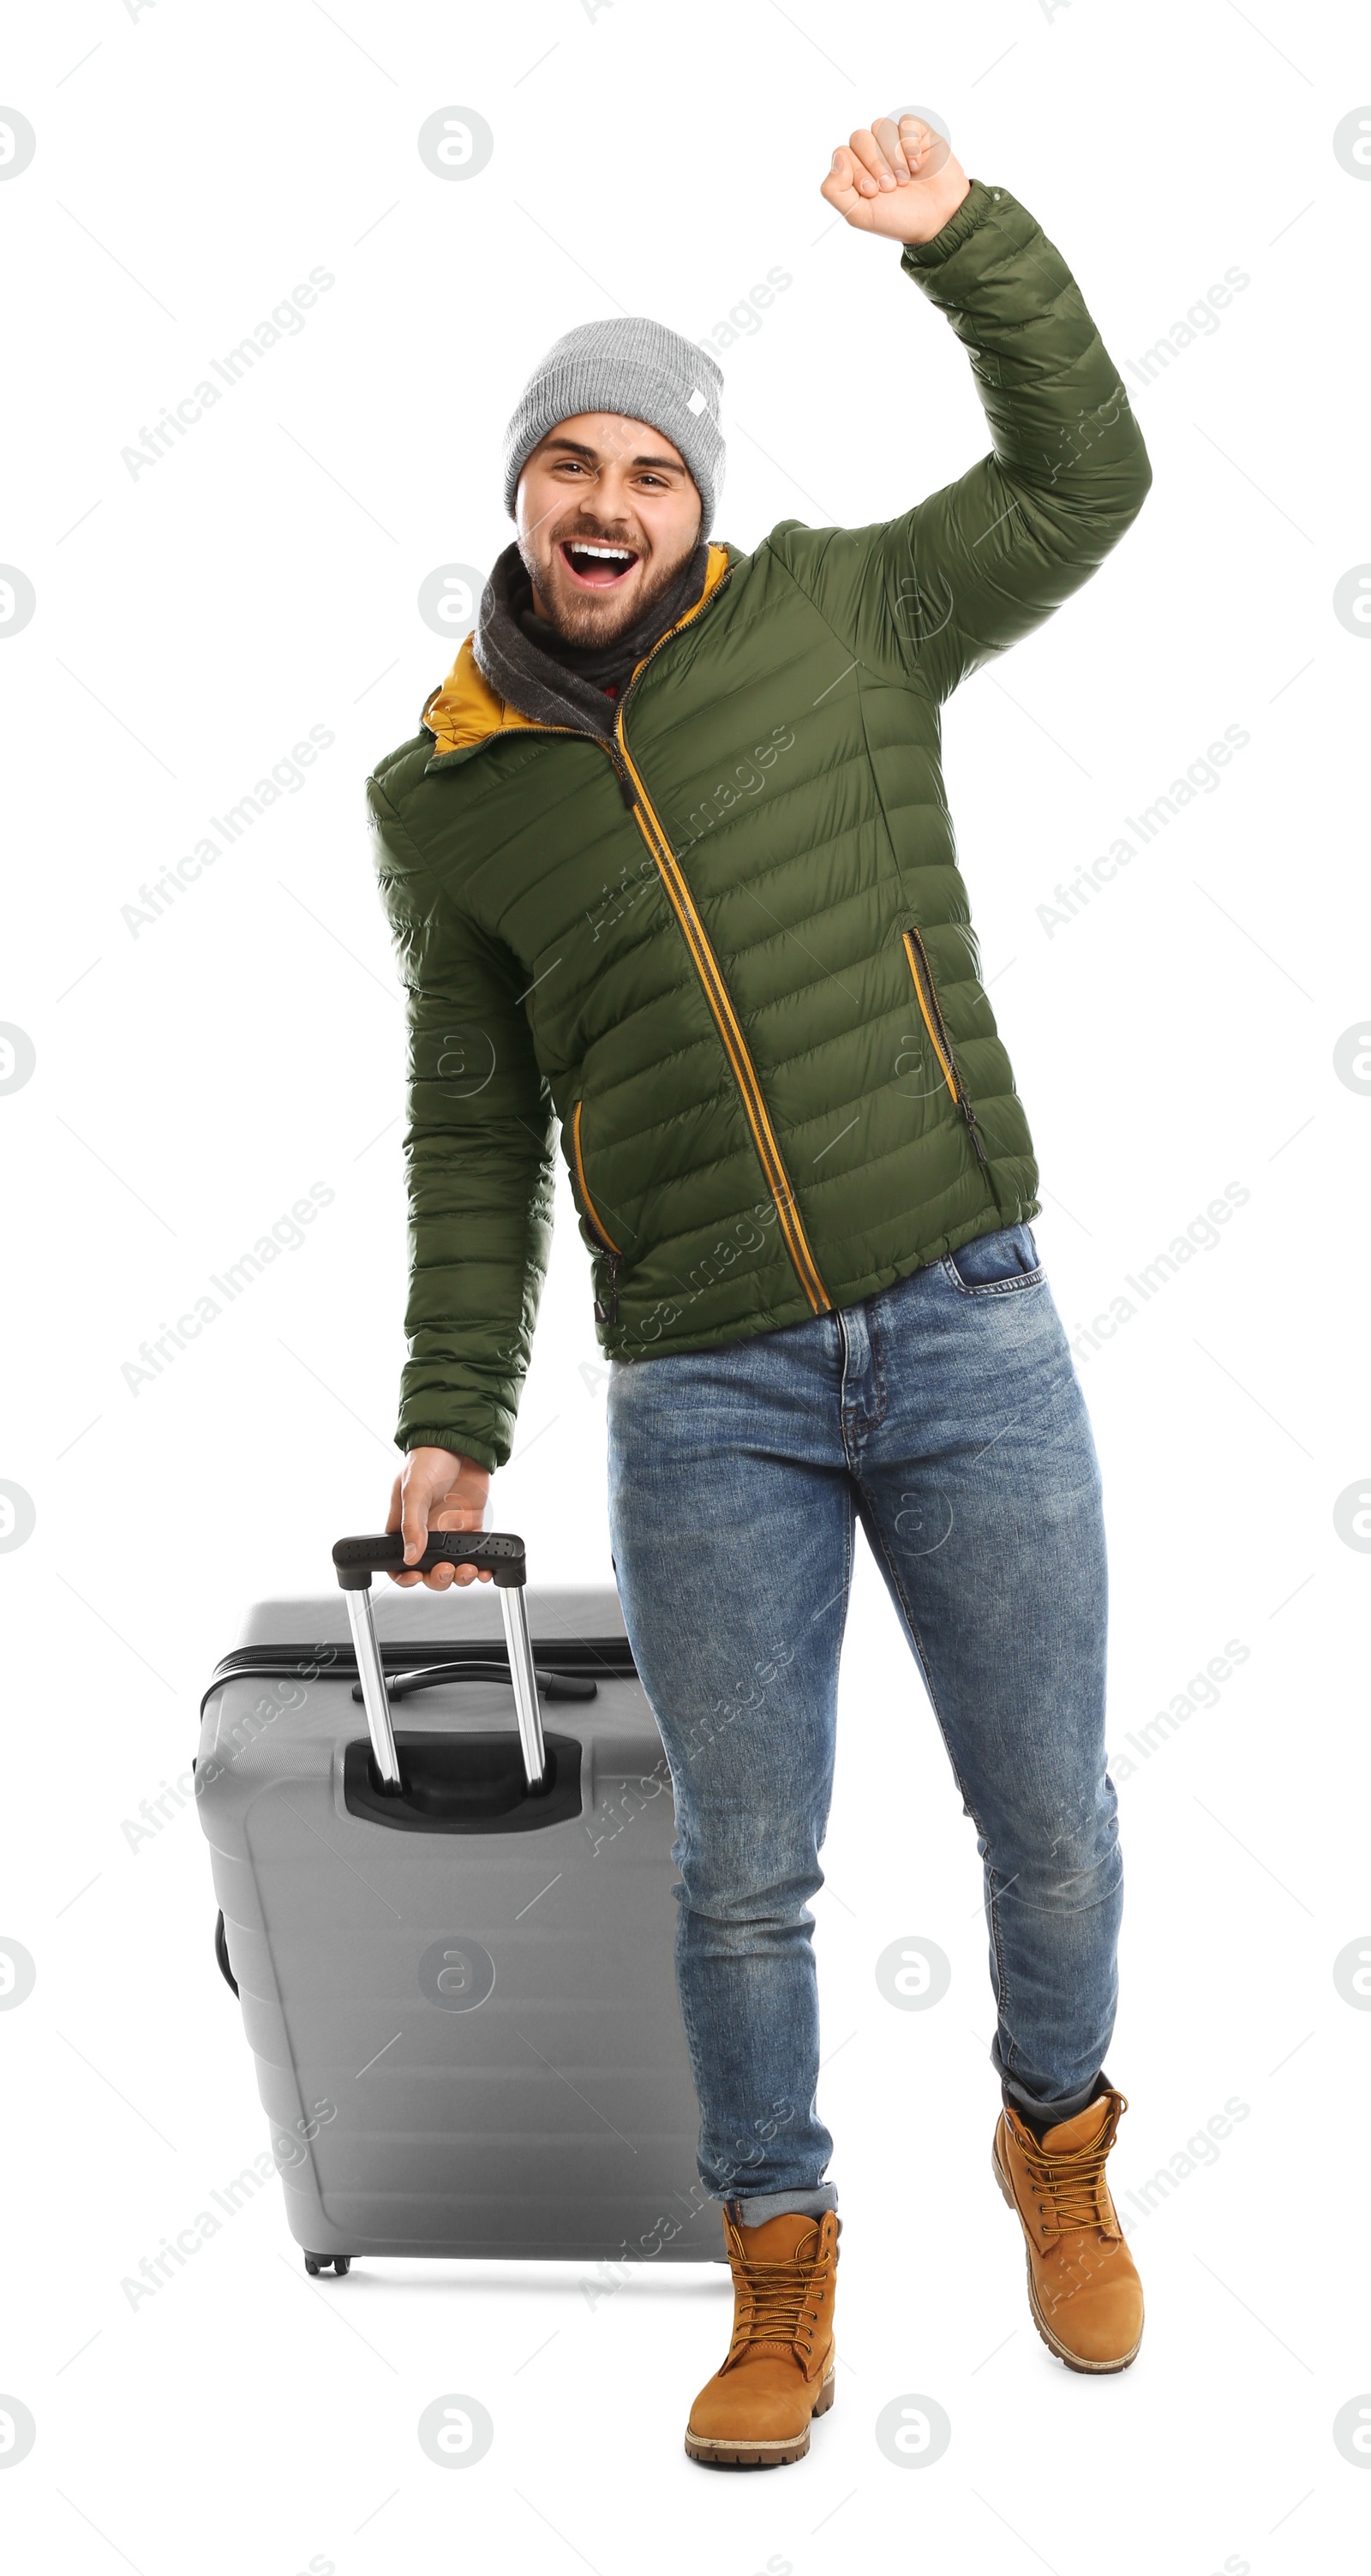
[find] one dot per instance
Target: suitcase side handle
(496, 1552)
(357, 1559)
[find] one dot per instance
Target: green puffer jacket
(731, 950)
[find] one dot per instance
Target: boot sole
(1073, 2361)
(762, 2455)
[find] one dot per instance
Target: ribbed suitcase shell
(555, 2116)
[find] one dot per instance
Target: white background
(191, 1082)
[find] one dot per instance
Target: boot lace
(777, 2303)
(1069, 2184)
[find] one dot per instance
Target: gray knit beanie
(640, 369)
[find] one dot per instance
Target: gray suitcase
(450, 1930)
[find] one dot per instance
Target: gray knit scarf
(554, 682)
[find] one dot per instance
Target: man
(671, 863)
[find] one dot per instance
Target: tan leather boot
(1083, 2285)
(756, 2411)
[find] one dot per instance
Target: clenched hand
(438, 1489)
(896, 178)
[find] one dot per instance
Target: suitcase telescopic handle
(357, 1559)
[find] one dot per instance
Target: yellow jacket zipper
(605, 1236)
(744, 1071)
(720, 1002)
(707, 968)
(937, 1028)
(607, 1307)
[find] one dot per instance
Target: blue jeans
(946, 1414)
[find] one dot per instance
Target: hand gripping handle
(357, 1559)
(497, 1551)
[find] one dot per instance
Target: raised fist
(897, 178)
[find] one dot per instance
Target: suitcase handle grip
(496, 1551)
(357, 1559)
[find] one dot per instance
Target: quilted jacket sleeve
(479, 1152)
(965, 573)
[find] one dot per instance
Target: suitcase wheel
(316, 2263)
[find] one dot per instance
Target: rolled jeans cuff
(775, 2204)
(1050, 2115)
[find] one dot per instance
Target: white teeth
(615, 554)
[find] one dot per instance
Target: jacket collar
(465, 711)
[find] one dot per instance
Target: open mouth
(594, 566)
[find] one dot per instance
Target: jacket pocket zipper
(611, 1258)
(936, 1025)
